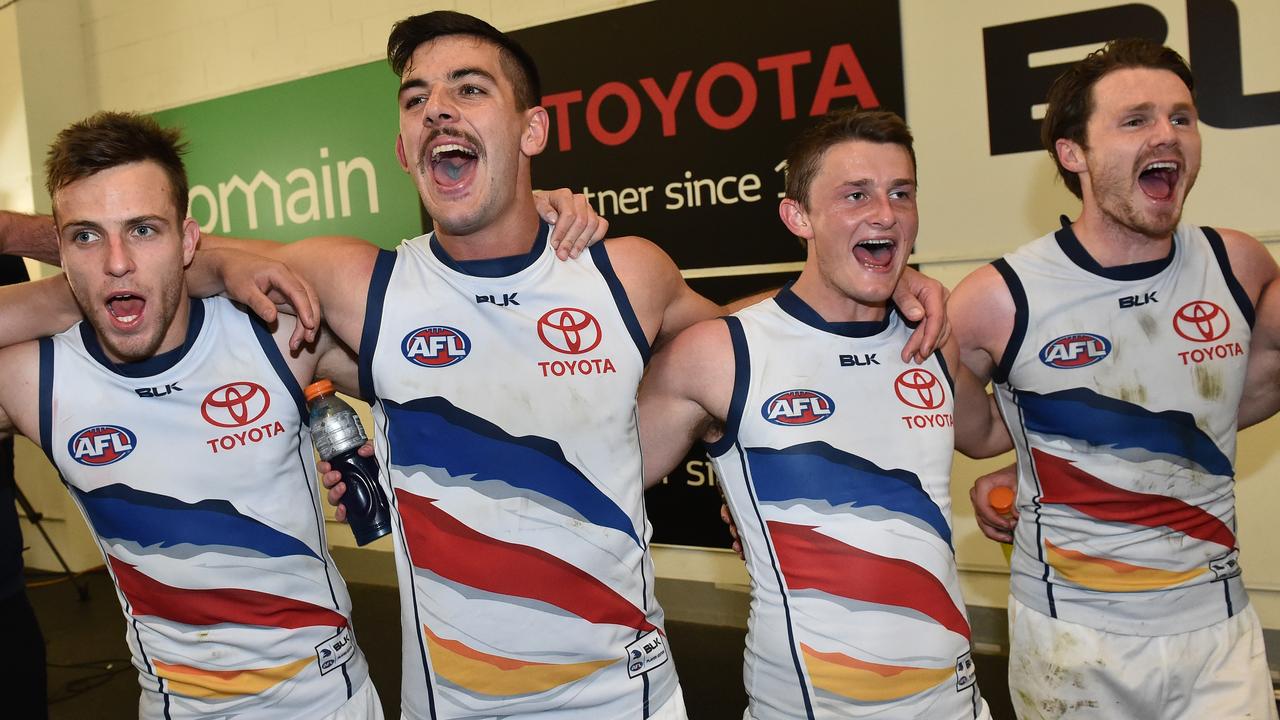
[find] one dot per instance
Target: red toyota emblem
(235, 404)
(569, 330)
(1201, 321)
(920, 389)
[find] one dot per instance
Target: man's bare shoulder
(636, 255)
(20, 392)
(1251, 261)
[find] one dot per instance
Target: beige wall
(153, 54)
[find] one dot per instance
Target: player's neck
(1111, 244)
(511, 233)
(833, 304)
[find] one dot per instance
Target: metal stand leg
(35, 516)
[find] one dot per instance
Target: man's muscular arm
(980, 431)
(31, 236)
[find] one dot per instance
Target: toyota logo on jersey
(920, 389)
(1075, 351)
(1201, 321)
(569, 330)
(436, 346)
(101, 445)
(235, 404)
(797, 407)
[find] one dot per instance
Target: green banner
(314, 156)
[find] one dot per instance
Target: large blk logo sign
(1015, 85)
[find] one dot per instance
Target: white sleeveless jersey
(836, 463)
(195, 473)
(1120, 387)
(506, 430)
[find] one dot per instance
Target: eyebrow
(453, 76)
(868, 182)
(91, 225)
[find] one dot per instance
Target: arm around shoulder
(663, 302)
(982, 313)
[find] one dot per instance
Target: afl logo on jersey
(235, 404)
(920, 389)
(1075, 351)
(436, 346)
(1201, 321)
(569, 330)
(101, 445)
(797, 407)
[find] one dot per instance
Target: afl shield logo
(101, 445)
(1075, 351)
(235, 404)
(569, 330)
(797, 407)
(920, 389)
(1201, 321)
(436, 346)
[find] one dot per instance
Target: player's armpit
(982, 313)
(1261, 399)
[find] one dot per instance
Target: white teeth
(1161, 166)
(127, 318)
(875, 243)
(450, 147)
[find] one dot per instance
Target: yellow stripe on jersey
(1112, 575)
(222, 684)
(864, 681)
(494, 675)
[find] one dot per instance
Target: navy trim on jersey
(741, 383)
(378, 279)
(946, 371)
(153, 365)
(46, 397)
(1075, 252)
(494, 267)
(1233, 283)
(792, 305)
(272, 351)
(777, 574)
(1020, 314)
(600, 256)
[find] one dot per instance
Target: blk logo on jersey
(797, 407)
(1075, 351)
(436, 346)
(1201, 321)
(569, 330)
(235, 404)
(101, 445)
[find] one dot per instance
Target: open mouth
(452, 163)
(1159, 179)
(126, 310)
(874, 254)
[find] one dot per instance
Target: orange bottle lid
(318, 388)
(1001, 499)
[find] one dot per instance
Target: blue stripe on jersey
(272, 351)
(432, 432)
(1233, 283)
(493, 267)
(741, 384)
(1000, 373)
(378, 279)
(46, 397)
(946, 371)
(817, 471)
(1074, 251)
(600, 256)
(1104, 422)
(120, 512)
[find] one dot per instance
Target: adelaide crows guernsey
(505, 421)
(196, 475)
(836, 463)
(1120, 387)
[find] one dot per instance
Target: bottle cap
(1001, 499)
(318, 388)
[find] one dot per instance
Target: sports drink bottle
(1001, 499)
(338, 435)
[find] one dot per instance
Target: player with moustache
(843, 508)
(506, 430)
(1118, 344)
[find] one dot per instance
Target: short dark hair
(837, 126)
(411, 32)
(1071, 95)
(111, 139)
